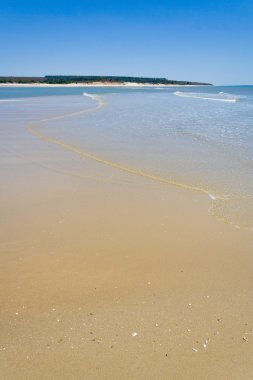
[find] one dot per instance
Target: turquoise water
(200, 138)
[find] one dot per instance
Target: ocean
(195, 138)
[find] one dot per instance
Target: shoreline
(96, 84)
(108, 274)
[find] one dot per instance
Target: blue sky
(186, 40)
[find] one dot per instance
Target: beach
(110, 267)
(92, 84)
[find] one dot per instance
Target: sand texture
(108, 275)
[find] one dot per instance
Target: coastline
(111, 275)
(96, 84)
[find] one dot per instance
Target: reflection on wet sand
(105, 274)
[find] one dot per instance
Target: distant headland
(90, 80)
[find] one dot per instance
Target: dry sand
(93, 84)
(105, 275)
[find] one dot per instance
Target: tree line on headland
(87, 79)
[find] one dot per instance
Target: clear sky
(199, 40)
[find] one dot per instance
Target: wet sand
(107, 275)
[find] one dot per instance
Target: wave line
(221, 97)
(33, 129)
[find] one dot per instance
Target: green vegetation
(68, 79)
(25, 80)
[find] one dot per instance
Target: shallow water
(108, 270)
(188, 141)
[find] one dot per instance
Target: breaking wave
(94, 97)
(221, 96)
(10, 100)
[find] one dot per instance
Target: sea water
(199, 139)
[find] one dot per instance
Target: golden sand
(109, 275)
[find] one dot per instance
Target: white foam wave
(94, 97)
(221, 96)
(10, 100)
(213, 197)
